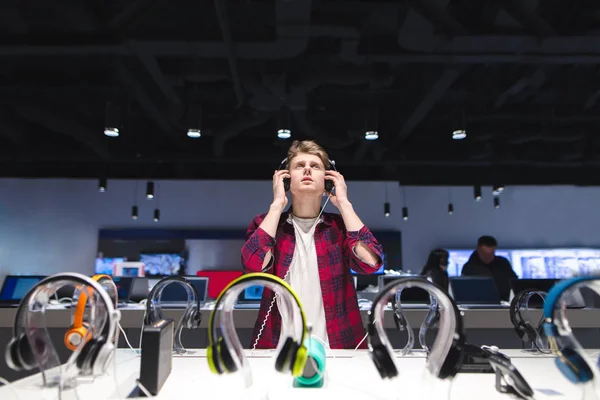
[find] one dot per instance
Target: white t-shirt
(304, 276)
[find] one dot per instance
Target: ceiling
(521, 77)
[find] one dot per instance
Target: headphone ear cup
(225, 356)
(453, 361)
(195, 319)
(13, 357)
(84, 359)
(298, 360)
(212, 354)
(383, 362)
(282, 357)
(25, 355)
(573, 366)
(286, 184)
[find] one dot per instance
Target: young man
(313, 251)
(485, 262)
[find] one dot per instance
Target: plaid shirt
(335, 257)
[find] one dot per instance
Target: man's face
(486, 253)
(307, 174)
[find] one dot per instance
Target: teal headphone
(568, 359)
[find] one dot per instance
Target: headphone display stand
(502, 387)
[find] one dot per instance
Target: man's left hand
(340, 194)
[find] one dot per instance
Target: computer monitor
(15, 287)
(474, 290)
(175, 293)
(129, 268)
(162, 264)
(123, 284)
(106, 265)
(555, 263)
(252, 293)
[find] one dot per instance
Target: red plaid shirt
(335, 257)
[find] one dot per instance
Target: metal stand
(501, 387)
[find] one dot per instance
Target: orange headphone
(79, 330)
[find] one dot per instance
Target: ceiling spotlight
(371, 135)
(156, 215)
(102, 184)
(459, 134)
(450, 208)
(405, 213)
(386, 209)
(496, 202)
(150, 190)
(498, 189)
(111, 132)
(134, 212)
(194, 133)
(477, 192)
(284, 133)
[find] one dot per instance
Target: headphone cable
(264, 323)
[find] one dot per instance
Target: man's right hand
(279, 197)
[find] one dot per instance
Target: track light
(496, 202)
(284, 133)
(150, 190)
(156, 215)
(386, 209)
(134, 212)
(102, 185)
(498, 189)
(111, 120)
(194, 133)
(371, 135)
(450, 208)
(459, 134)
(477, 192)
(405, 213)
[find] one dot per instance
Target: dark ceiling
(520, 76)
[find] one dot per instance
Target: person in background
(436, 268)
(485, 262)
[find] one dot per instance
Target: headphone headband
(231, 292)
(451, 330)
(73, 277)
(83, 297)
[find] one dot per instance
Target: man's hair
(308, 147)
(488, 241)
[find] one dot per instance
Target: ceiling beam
(435, 93)
(533, 82)
(69, 126)
(528, 18)
(152, 110)
(221, 9)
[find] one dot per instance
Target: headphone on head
(192, 317)
(524, 329)
(329, 185)
(30, 347)
(568, 359)
(226, 355)
(447, 353)
(79, 330)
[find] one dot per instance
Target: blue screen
(161, 264)
(106, 265)
(253, 292)
(16, 287)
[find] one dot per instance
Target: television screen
(161, 264)
(106, 265)
(555, 263)
(458, 258)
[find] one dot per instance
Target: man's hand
(339, 196)
(279, 196)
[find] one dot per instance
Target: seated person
(485, 262)
(436, 268)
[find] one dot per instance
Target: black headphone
(192, 317)
(447, 352)
(329, 185)
(524, 329)
(24, 348)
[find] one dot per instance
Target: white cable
(5, 382)
(324, 344)
(264, 323)
(126, 338)
(359, 343)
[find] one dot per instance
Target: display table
(350, 375)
